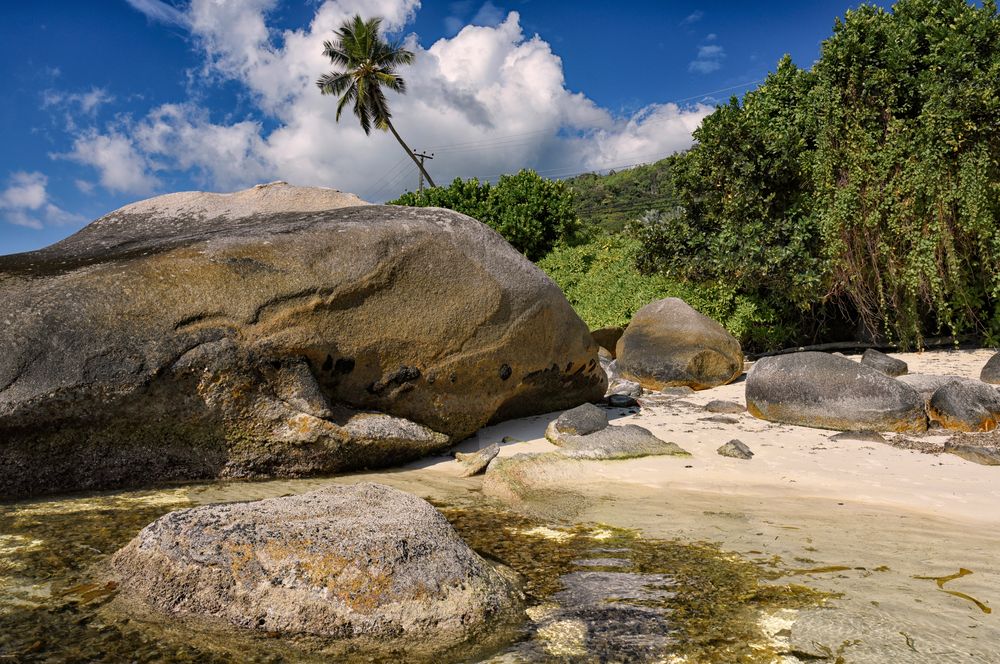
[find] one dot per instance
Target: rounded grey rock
(890, 366)
(829, 392)
(966, 406)
(991, 371)
(363, 563)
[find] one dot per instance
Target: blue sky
(111, 101)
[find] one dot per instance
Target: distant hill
(610, 201)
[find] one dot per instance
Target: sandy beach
(789, 463)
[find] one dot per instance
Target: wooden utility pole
(422, 156)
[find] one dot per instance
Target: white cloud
(121, 167)
(85, 102)
(709, 59)
(25, 202)
(690, 19)
(488, 100)
(155, 10)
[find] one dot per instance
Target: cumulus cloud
(488, 100)
(121, 167)
(709, 59)
(25, 202)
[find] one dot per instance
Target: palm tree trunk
(410, 152)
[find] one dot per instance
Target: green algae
(54, 606)
(715, 599)
(941, 580)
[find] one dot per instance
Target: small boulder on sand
(668, 343)
(966, 406)
(736, 449)
(890, 366)
(579, 421)
(991, 372)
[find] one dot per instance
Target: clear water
(636, 575)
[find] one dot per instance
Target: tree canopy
(865, 190)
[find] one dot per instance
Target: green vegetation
(863, 194)
(369, 64)
(856, 199)
(532, 213)
(604, 286)
(608, 202)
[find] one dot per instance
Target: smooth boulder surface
(825, 391)
(243, 335)
(890, 366)
(991, 371)
(928, 384)
(966, 405)
(615, 442)
(580, 421)
(365, 563)
(667, 344)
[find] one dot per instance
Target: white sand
(790, 462)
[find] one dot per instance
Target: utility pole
(422, 156)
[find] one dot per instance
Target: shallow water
(665, 577)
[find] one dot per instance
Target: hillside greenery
(606, 203)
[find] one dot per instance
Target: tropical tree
(368, 65)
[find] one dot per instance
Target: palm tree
(369, 64)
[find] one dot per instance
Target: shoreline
(791, 462)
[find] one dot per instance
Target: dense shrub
(868, 187)
(532, 213)
(602, 283)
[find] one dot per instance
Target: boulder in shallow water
(890, 366)
(966, 405)
(236, 335)
(363, 563)
(667, 343)
(829, 392)
(991, 372)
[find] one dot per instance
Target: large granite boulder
(966, 405)
(364, 564)
(250, 335)
(667, 343)
(831, 392)
(991, 371)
